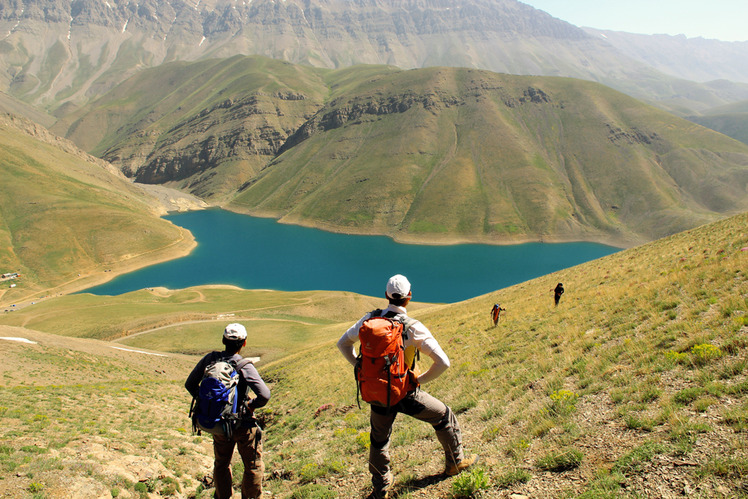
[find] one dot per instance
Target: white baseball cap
(235, 332)
(398, 287)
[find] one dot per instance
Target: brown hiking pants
(419, 405)
(249, 443)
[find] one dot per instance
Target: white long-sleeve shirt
(418, 336)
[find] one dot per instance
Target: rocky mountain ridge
(497, 157)
(697, 59)
(58, 54)
(481, 156)
(205, 127)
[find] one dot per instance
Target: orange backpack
(382, 375)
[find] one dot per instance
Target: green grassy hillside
(636, 385)
(469, 155)
(207, 126)
(731, 120)
(638, 376)
(473, 155)
(67, 218)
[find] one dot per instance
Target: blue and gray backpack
(216, 410)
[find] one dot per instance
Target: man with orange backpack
(387, 380)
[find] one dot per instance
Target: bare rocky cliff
(58, 54)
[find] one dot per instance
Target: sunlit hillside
(469, 155)
(475, 155)
(634, 386)
(67, 218)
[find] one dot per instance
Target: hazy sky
(720, 19)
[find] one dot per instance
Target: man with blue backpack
(221, 385)
(386, 376)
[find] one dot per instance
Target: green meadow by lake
(258, 253)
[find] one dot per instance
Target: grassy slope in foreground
(635, 384)
(66, 219)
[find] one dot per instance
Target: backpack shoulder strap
(211, 359)
(242, 363)
(406, 321)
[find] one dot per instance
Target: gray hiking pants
(419, 405)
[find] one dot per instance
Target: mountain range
(473, 155)
(60, 53)
(478, 109)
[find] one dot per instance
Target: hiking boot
(465, 463)
(380, 486)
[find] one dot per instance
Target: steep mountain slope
(730, 120)
(207, 126)
(481, 156)
(695, 59)
(10, 105)
(635, 385)
(58, 54)
(475, 155)
(66, 218)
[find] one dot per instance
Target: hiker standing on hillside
(496, 313)
(557, 292)
(411, 400)
(245, 433)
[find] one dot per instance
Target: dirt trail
(14, 338)
(222, 316)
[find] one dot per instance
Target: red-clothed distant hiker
(496, 313)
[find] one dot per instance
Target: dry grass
(597, 378)
(66, 218)
(634, 385)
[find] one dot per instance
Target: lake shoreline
(88, 280)
(264, 253)
(187, 243)
(443, 239)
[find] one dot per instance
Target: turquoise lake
(258, 253)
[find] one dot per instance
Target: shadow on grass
(418, 483)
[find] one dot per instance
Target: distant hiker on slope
(496, 313)
(557, 292)
(220, 385)
(384, 372)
